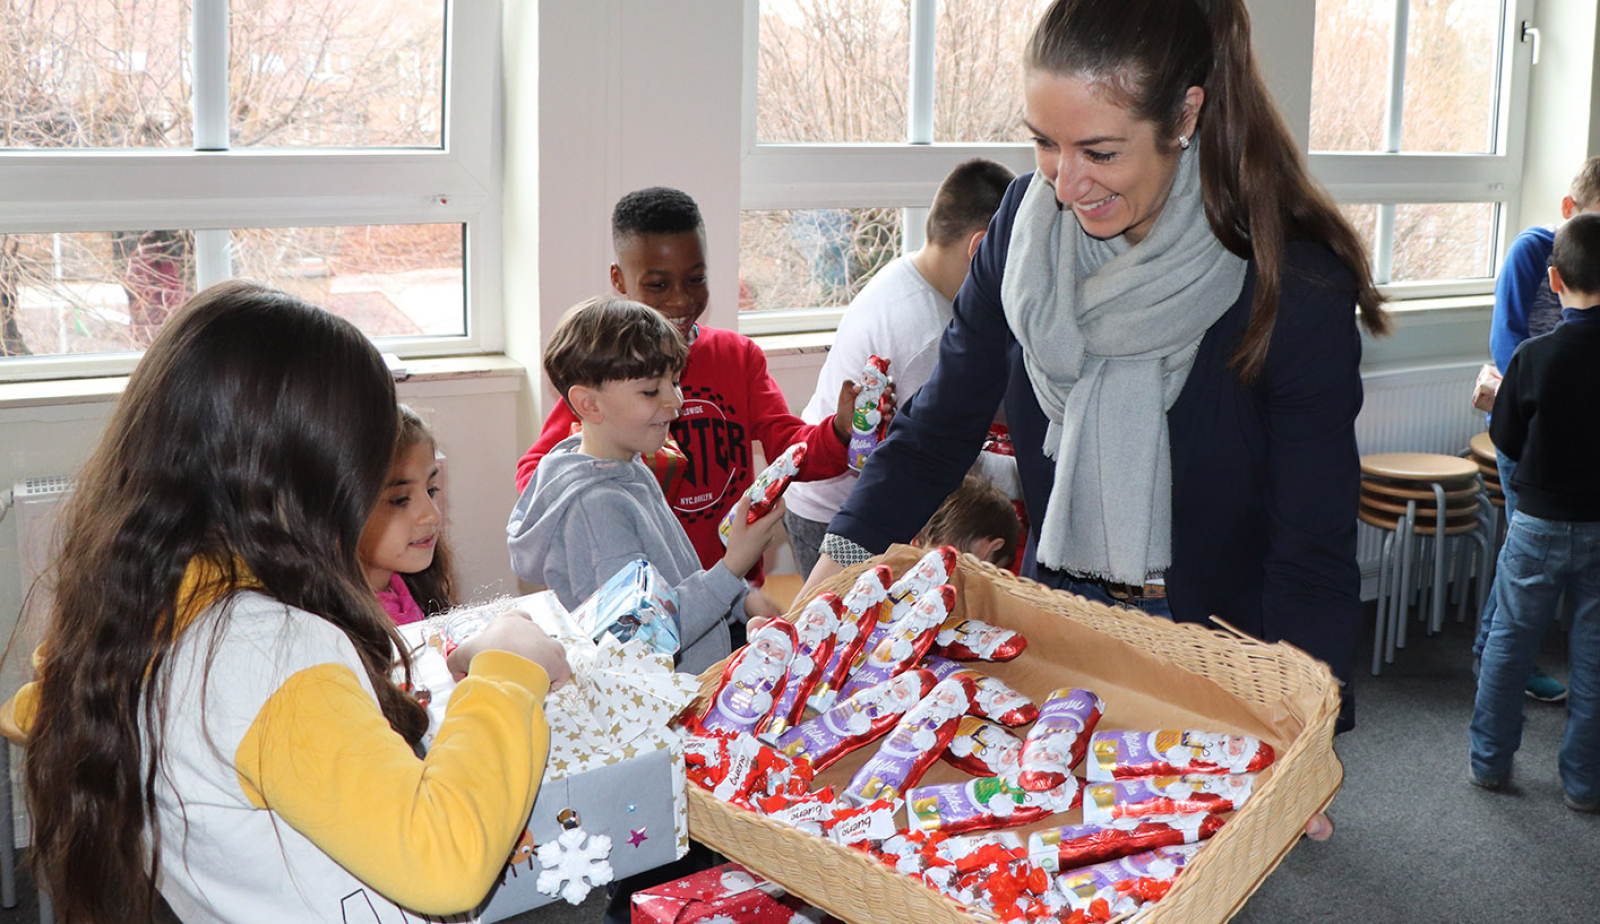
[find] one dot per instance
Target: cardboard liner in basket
(1152, 674)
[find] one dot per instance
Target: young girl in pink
(402, 548)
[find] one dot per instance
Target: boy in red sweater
(729, 398)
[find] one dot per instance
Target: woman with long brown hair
(1168, 309)
(215, 715)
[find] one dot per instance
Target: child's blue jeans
(1539, 560)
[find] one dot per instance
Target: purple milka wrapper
(905, 642)
(1193, 793)
(916, 742)
(855, 721)
(1082, 886)
(1059, 738)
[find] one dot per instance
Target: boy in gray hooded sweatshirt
(593, 507)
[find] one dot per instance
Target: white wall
(1562, 128)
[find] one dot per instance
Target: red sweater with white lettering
(729, 399)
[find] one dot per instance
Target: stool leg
(1408, 540)
(1397, 600)
(1436, 620)
(1379, 635)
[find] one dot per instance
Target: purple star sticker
(637, 837)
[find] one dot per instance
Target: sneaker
(1492, 784)
(1593, 805)
(1545, 688)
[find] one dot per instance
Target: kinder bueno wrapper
(1195, 793)
(905, 641)
(865, 604)
(1083, 886)
(768, 487)
(859, 719)
(867, 423)
(976, 851)
(871, 822)
(915, 743)
(1080, 845)
(994, 700)
(986, 802)
(975, 640)
(984, 748)
(752, 681)
(1057, 741)
(1119, 755)
(816, 629)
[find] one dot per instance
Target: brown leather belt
(1147, 591)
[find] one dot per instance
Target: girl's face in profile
(403, 528)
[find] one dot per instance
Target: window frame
(905, 175)
(1390, 179)
(94, 190)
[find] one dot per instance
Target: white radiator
(37, 501)
(1420, 409)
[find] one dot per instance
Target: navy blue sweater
(1265, 476)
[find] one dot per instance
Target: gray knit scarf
(1109, 331)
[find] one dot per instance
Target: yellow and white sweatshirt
(285, 796)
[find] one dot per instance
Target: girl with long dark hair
(216, 716)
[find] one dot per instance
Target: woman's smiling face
(1110, 167)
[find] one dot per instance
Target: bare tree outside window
(1449, 106)
(337, 73)
(836, 71)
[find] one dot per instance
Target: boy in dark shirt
(1547, 420)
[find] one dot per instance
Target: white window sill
(61, 392)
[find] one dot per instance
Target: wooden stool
(1482, 448)
(1396, 489)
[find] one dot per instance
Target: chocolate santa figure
(752, 681)
(815, 629)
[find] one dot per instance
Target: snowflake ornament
(582, 866)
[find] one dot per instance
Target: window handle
(1531, 34)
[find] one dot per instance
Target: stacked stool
(1416, 497)
(1481, 450)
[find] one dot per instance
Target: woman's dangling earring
(1183, 142)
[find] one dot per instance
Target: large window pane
(833, 70)
(338, 73)
(1452, 70)
(90, 292)
(812, 258)
(1350, 74)
(109, 292)
(1443, 240)
(978, 68)
(389, 280)
(95, 74)
(1452, 65)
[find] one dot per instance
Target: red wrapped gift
(728, 893)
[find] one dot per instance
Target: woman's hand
(516, 633)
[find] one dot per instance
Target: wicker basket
(1276, 691)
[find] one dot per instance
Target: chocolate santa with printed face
(905, 641)
(983, 748)
(914, 744)
(752, 681)
(975, 640)
(815, 629)
(856, 720)
(866, 602)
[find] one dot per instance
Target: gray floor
(1415, 841)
